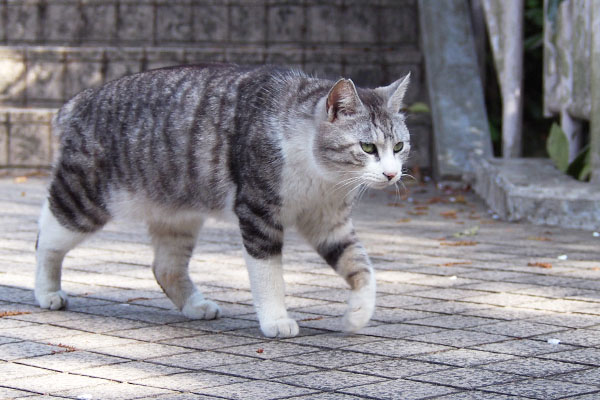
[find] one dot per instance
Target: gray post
(595, 78)
(456, 96)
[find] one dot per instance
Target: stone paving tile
(116, 391)
(141, 350)
(96, 324)
(543, 389)
(256, 390)
(333, 340)
(394, 369)
(201, 359)
(56, 382)
(463, 357)
(20, 350)
(454, 321)
(524, 347)
(519, 329)
(477, 395)
(400, 389)
(459, 338)
(397, 331)
(397, 348)
(587, 356)
(189, 381)
(129, 371)
(9, 371)
(329, 380)
(326, 396)
(269, 350)
(590, 376)
(155, 333)
(264, 369)
(579, 337)
(332, 358)
(467, 378)
(211, 341)
(534, 367)
(70, 361)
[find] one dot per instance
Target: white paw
(197, 307)
(53, 300)
(360, 309)
(281, 328)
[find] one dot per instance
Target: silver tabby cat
(174, 146)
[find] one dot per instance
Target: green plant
(557, 147)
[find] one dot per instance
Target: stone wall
(52, 49)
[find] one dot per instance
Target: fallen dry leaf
(68, 349)
(540, 264)
(449, 214)
(20, 179)
(260, 351)
(452, 264)
(12, 313)
(539, 238)
(403, 220)
(422, 208)
(395, 204)
(461, 243)
(312, 319)
(417, 213)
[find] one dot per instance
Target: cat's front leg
(338, 245)
(268, 293)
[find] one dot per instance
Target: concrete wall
(52, 49)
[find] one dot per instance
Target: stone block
(173, 23)
(12, 79)
(365, 75)
(159, 58)
(399, 24)
(247, 23)
(122, 61)
(3, 144)
(202, 56)
(289, 57)
(29, 144)
(63, 22)
(210, 22)
(245, 56)
(400, 389)
(286, 23)
(360, 22)
(100, 21)
(135, 23)
(22, 24)
(323, 24)
(45, 82)
(83, 71)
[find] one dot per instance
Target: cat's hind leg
(173, 246)
(53, 242)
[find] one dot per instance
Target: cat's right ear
(342, 99)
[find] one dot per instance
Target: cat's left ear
(394, 93)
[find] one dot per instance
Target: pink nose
(389, 175)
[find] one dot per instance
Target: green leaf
(418, 107)
(557, 146)
(581, 167)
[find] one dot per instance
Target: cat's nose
(389, 175)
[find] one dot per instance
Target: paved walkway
(468, 308)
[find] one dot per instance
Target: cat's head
(362, 136)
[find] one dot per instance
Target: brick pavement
(466, 306)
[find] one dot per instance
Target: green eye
(368, 148)
(398, 147)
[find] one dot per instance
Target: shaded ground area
(466, 308)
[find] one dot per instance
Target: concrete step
(535, 190)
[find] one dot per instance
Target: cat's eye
(398, 147)
(368, 148)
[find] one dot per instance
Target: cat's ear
(394, 93)
(342, 99)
